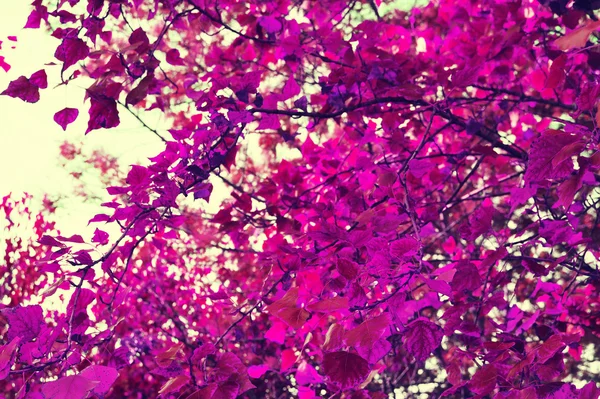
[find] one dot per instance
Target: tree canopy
(411, 206)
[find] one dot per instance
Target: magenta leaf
(484, 380)
(8, 355)
(421, 338)
(466, 279)
(25, 322)
(546, 151)
(368, 332)
(39, 79)
(174, 58)
(345, 369)
(104, 376)
(103, 113)
(66, 116)
(22, 88)
(71, 50)
(71, 387)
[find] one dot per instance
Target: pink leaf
(70, 51)
(541, 164)
(421, 338)
(103, 113)
(66, 116)
(39, 79)
(258, 371)
(174, 58)
(290, 89)
(105, 376)
(368, 331)
(405, 247)
(25, 322)
(484, 380)
(270, 24)
(137, 175)
(72, 387)
(22, 88)
(7, 357)
(345, 369)
(466, 278)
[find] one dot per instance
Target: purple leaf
(7, 357)
(39, 79)
(53, 242)
(72, 387)
(140, 39)
(466, 278)
(421, 338)
(22, 88)
(174, 58)
(375, 352)
(140, 91)
(25, 322)
(346, 369)
(66, 116)
(103, 113)
(105, 376)
(100, 236)
(270, 24)
(70, 51)
(484, 380)
(290, 89)
(258, 371)
(35, 18)
(137, 175)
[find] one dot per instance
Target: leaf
(334, 338)
(542, 153)
(174, 58)
(225, 390)
(347, 268)
(556, 74)
(549, 348)
(137, 175)
(258, 371)
(483, 381)
(405, 248)
(421, 338)
(288, 359)
(329, 305)
(368, 332)
(376, 351)
(23, 89)
(66, 116)
(39, 79)
(270, 24)
(7, 357)
(345, 369)
(590, 391)
(105, 376)
(140, 91)
(103, 113)
(25, 322)
(70, 51)
(577, 38)
(71, 387)
(174, 384)
(290, 89)
(466, 279)
(294, 317)
(165, 357)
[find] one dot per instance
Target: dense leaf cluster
(412, 204)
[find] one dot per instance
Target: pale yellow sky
(29, 138)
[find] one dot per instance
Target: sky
(30, 139)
